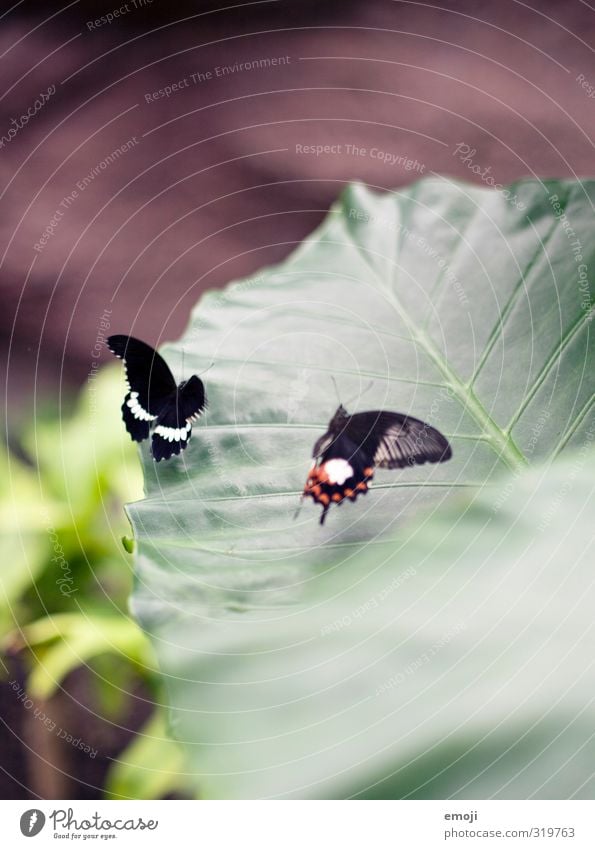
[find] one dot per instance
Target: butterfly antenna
(208, 368)
(336, 388)
(298, 508)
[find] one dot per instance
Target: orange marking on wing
(324, 499)
(317, 475)
(336, 497)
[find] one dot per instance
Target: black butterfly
(155, 400)
(353, 445)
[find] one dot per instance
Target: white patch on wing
(338, 471)
(174, 434)
(136, 409)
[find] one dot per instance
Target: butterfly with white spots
(346, 455)
(154, 400)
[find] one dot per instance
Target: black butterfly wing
(174, 423)
(193, 399)
(394, 441)
(150, 381)
(146, 371)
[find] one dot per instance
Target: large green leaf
(465, 311)
(457, 664)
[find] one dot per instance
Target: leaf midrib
(501, 440)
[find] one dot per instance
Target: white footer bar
(300, 824)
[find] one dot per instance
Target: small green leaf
(25, 526)
(151, 766)
(64, 641)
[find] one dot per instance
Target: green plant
(65, 575)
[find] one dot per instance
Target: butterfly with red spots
(353, 446)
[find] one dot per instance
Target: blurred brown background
(211, 186)
(139, 199)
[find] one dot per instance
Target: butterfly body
(154, 401)
(353, 446)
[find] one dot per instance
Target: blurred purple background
(135, 175)
(211, 184)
